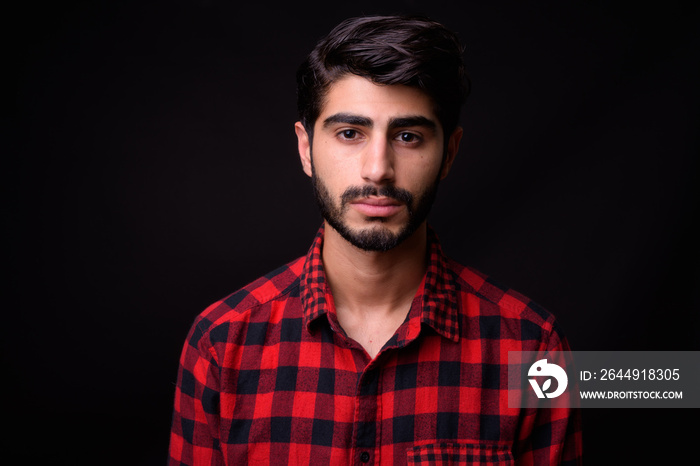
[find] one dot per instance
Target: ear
(452, 149)
(304, 145)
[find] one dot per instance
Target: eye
(348, 134)
(408, 138)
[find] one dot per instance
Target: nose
(378, 162)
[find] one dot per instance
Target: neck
(374, 282)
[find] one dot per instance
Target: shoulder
(488, 300)
(241, 307)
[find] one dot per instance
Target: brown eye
(349, 134)
(407, 137)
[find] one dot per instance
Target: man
(374, 348)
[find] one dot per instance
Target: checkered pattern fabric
(267, 376)
(450, 454)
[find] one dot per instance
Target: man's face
(376, 160)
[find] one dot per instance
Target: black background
(151, 169)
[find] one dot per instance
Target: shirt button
(364, 457)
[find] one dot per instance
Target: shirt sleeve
(551, 436)
(194, 435)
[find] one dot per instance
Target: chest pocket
(462, 454)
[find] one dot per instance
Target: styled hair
(410, 50)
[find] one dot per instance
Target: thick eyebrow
(398, 122)
(348, 118)
(412, 120)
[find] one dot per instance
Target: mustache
(390, 191)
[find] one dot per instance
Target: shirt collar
(437, 295)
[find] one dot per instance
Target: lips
(377, 206)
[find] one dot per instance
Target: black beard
(375, 238)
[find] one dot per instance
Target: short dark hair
(410, 50)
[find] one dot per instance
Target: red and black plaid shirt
(268, 376)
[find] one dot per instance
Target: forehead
(355, 95)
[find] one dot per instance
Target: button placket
(365, 430)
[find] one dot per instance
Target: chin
(375, 238)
